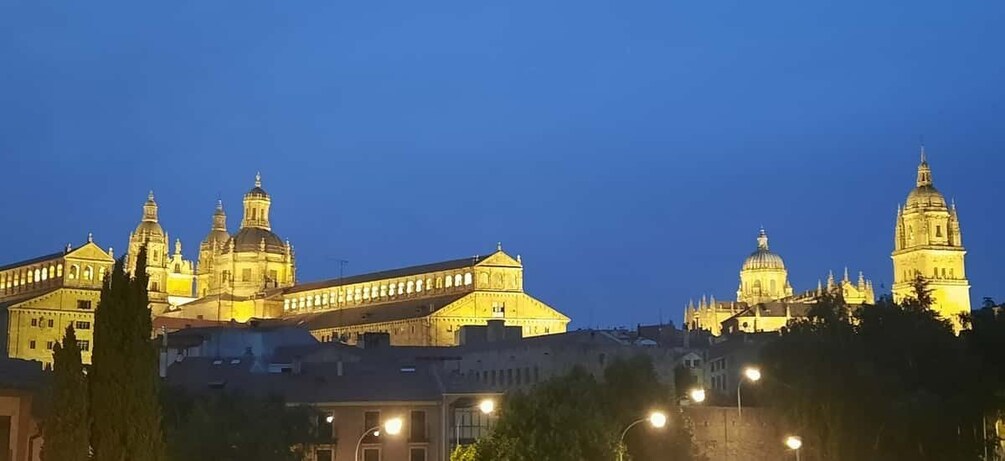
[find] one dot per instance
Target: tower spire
(924, 171)
(762, 240)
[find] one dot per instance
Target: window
(38, 275)
(417, 454)
(418, 286)
(83, 304)
(938, 231)
(371, 419)
(943, 272)
(274, 276)
(410, 287)
(31, 344)
(417, 427)
(467, 278)
(59, 270)
(45, 274)
(498, 309)
(48, 345)
(73, 271)
(84, 345)
(101, 274)
(449, 281)
(457, 280)
(82, 325)
(51, 323)
(88, 273)
(154, 286)
(34, 322)
(401, 288)
(324, 454)
(177, 268)
(371, 454)
(246, 275)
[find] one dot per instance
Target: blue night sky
(628, 150)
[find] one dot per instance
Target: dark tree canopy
(889, 382)
(126, 424)
(578, 418)
(66, 425)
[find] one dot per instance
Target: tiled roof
(402, 272)
(377, 313)
(316, 382)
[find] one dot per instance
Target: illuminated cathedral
(927, 244)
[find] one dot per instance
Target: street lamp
(391, 426)
(487, 406)
(697, 395)
(794, 442)
(656, 419)
(754, 375)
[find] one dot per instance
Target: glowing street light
(656, 419)
(794, 442)
(753, 374)
(487, 406)
(392, 427)
(697, 395)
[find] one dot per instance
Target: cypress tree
(65, 427)
(126, 423)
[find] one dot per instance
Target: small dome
(925, 197)
(763, 258)
(257, 191)
(149, 231)
(249, 239)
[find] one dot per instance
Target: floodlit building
(765, 299)
(928, 244)
(40, 297)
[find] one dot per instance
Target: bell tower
(928, 243)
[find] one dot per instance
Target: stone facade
(928, 243)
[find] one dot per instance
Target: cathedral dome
(218, 233)
(257, 191)
(149, 230)
(763, 258)
(249, 239)
(925, 196)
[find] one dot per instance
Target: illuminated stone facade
(40, 297)
(928, 243)
(171, 276)
(765, 299)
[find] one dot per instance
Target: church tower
(763, 276)
(927, 242)
(150, 233)
(210, 247)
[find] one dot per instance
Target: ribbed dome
(149, 231)
(249, 239)
(763, 258)
(926, 197)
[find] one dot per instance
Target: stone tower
(927, 242)
(211, 246)
(150, 233)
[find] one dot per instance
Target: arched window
(401, 288)
(59, 270)
(177, 268)
(286, 304)
(302, 302)
(366, 292)
(88, 273)
(409, 287)
(357, 294)
(429, 283)
(943, 272)
(467, 278)
(772, 287)
(324, 299)
(383, 291)
(45, 274)
(38, 275)
(317, 300)
(74, 271)
(418, 286)
(101, 274)
(457, 280)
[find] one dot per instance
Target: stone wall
(722, 435)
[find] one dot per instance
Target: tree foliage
(578, 418)
(231, 426)
(126, 423)
(66, 427)
(887, 382)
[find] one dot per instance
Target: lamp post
(656, 419)
(794, 442)
(754, 375)
(391, 426)
(697, 395)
